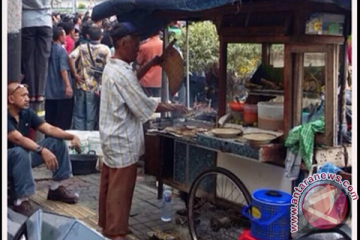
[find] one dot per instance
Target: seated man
(52, 151)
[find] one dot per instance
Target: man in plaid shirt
(124, 107)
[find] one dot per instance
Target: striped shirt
(124, 108)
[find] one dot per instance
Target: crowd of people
(80, 49)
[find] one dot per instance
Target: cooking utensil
(226, 132)
(258, 139)
(174, 69)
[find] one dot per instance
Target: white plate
(259, 138)
(226, 132)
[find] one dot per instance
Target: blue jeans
(20, 162)
(86, 111)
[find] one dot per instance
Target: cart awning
(140, 12)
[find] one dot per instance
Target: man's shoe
(24, 208)
(61, 194)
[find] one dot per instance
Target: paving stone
(145, 204)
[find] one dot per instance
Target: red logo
(325, 206)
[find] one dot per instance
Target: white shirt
(36, 13)
(124, 107)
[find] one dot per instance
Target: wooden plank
(331, 99)
(273, 153)
(318, 39)
(265, 54)
(298, 82)
(178, 186)
(256, 39)
(306, 39)
(254, 31)
(288, 92)
(299, 22)
(223, 79)
(152, 154)
(306, 48)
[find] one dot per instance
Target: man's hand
(78, 79)
(75, 143)
(49, 159)
(157, 60)
(68, 92)
(181, 108)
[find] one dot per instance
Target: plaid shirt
(124, 108)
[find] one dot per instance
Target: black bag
(97, 71)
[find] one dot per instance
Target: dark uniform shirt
(27, 119)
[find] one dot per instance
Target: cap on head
(121, 30)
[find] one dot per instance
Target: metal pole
(187, 67)
(165, 80)
(343, 78)
(74, 6)
(14, 40)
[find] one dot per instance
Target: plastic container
(166, 208)
(246, 235)
(270, 214)
(271, 115)
(236, 107)
(305, 117)
(250, 114)
(325, 24)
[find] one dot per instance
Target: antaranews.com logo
(323, 200)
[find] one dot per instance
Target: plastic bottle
(166, 208)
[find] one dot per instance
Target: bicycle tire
(195, 185)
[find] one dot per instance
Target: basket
(83, 164)
(270, 214)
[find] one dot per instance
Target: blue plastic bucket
(270, 214)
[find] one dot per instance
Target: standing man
(106, 24)
(86, 109)
(151, 81)
(24, 153)
(69, 28)
(59, 93)
(36, 45)
(124, 108)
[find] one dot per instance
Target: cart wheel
(216, 199)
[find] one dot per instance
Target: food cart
(282, 22)
(177, 157)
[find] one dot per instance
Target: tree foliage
(203, 45)
(204, 49)
(81, 6)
